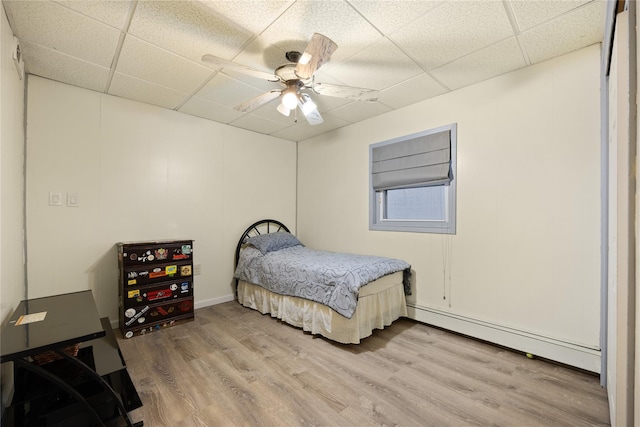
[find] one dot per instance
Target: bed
(349, 297)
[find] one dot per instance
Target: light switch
(55, 199)
(72, 200)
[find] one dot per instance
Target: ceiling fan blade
(349, 92)
(317, 52)
(210, 59)
(258, 101)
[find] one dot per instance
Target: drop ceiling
(151, 51)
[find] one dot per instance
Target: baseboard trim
(213, 301)
(571, 354)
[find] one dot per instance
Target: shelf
(106, 352)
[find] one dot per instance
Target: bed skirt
(379, 304)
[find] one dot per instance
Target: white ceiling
(150, 51)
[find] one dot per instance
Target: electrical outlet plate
(55, 199)
(72, 200)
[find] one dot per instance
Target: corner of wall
(12, 142)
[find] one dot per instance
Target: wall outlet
(196, 269)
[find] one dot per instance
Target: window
(413, 183)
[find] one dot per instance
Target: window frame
(376, 223)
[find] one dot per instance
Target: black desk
(66, 320)
(70, 319)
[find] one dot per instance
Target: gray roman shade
(416, 162)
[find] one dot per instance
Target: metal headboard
(264, 226)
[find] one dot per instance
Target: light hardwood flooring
(233, 366)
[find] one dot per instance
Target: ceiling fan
(295, 77)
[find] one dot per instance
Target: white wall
(526, 256)
(141, 172)
(12, 278)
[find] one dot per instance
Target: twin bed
(343, 297)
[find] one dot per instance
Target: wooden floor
(233, 366)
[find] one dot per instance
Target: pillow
(273, 242)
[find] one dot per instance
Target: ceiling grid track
(123, 34)
(516, 30)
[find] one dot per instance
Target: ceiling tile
(57, 66)
(579, 28)
(129, 87)
(377, 67)
(50, 25)
(452, 30)
(258, 124)
(492, 61)
(531, 13)
(250, 15)
(389, 16)
(110, 12)
(209, 110)
(359, 111)
(411, 91)
(151, 63)
(195, 29)
(226, 91)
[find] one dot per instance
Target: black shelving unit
(156, 285)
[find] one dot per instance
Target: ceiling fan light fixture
(290, 99)
(307, 105)
(283, 110)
